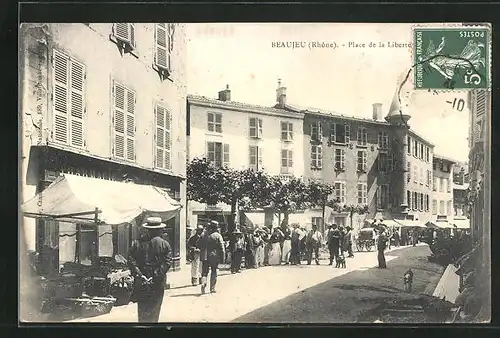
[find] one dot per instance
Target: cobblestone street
(285, 293)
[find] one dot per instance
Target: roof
(203, 100)
(440, 157)
(77, 198)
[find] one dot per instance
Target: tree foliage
(319, 193)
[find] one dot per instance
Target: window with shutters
(448, 185)
(340, 133)
(163, 48)
(255, 157)
(415, 147)
(434, 207)
(409, 145)
(214, 122)
(362, 137)
(426, 202)
(286, 161)
(339, 159)
(382, 162)
(68, 98)
(408, 198)
(408, 171)
(415, 200)
(316, 156)
(255, 127)
(218, 153)
(421, 206)
(124, 36)
(390, 162)
(427, 154)
(362, 161)
(340, 192)
(316, 131)
(383, 140)
(124, 122)
(286, 131)
(163, 120)
(383, 196)
(362, 193)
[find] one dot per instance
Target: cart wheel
(368, 246)
(359, 246)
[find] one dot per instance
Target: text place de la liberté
(316, 44)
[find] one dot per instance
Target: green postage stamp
(451, 57)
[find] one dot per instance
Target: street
(303, 293)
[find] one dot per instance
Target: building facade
(104, 100)
(242, 136)
(442, 190)
(460, 189)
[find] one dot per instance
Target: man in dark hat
(149, 261)
(348, 238)
(194, 255)
(238, 252)
(333, 242)
(381, 245)
(212, 253)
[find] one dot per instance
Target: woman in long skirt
(259, 248)
(287, 246)
(275, 254)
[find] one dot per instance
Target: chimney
(225, 95)
(377, 111)
(281, 95)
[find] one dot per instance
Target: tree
(318, 195)
(351, 209)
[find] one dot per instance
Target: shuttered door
(119, 120)
(60, 97)
(162, 45)
(163, 143)
(77, 99)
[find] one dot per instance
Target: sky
(347, 80)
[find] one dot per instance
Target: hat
(213, 224)
(154, 223)
(237, 231)
(200, 227)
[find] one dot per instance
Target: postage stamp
(451, 57)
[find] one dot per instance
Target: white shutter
(162, 137)
(130, 124)
(122, 32)
(77, 103)
(60, 96)
(259, 157)
(290, 158)
(342, 159)
(119, 93)
(259, 132)
(225, 155)
(364, 161)
(320, 157)
(333, 127)
(347, 133)
(252, 152)
(253, 127)
(132, 35)
(162, 45)
(290, 131)
(320, 131)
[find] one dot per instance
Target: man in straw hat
(149, 260)
(212, 253)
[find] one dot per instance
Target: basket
(95, 309)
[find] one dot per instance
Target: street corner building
(106, 102)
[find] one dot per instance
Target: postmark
(451, 58)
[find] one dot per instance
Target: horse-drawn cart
(366, 239)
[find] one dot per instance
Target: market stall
(92, 207)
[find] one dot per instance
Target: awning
(75, 199)
(440, 224)
(255, 219)
(461, 223)
(409, 223)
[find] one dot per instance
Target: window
(218, 153)
(390, 162)
(339, 159)
(442, 187)
(255, 127)
(429, 178)
(415, 200)
(383, 140)
(68, 100)
(362, 136)
(422, 178)
(255, 159)
(426, 202)
(362, 161)
(408, 171)
(415, 146)
(445, 167)
(124, 36)
(435, 184)
(316, 156)
(421, 204)
(434, 207)
(124, 122)
(448, 208)
(448, 185)
(340, 133)
(441, 208)
(163, 137)
(163, 47)
(382, 162)
(421, 151)
(340, 191)
(286, 131)
(362, 193)
(408, 198)
(214, 122)
(316, 131)
(427, 154)
(409, 145)
(383, 196)
(286, 161)
(415, 174)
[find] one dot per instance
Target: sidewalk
(239, 294)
